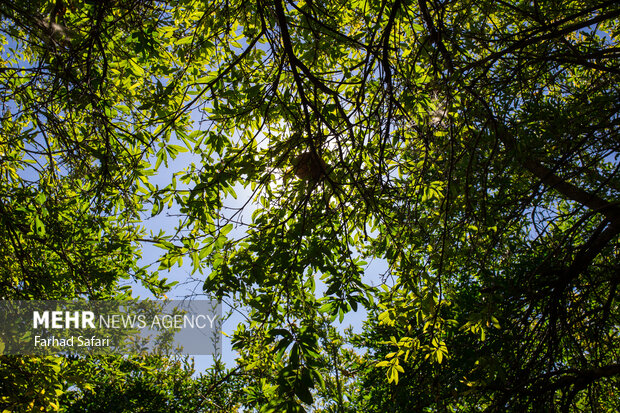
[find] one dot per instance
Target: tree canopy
(471, 148)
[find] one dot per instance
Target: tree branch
(553, 34)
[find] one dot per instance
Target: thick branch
(435, 35)
(547, 176)
(592, 201)
(587, 253)
(298, 64)
(582, 377)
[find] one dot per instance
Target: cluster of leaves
(76, 142)
(471, 147)
(117, 384)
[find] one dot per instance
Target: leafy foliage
(470, 147)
